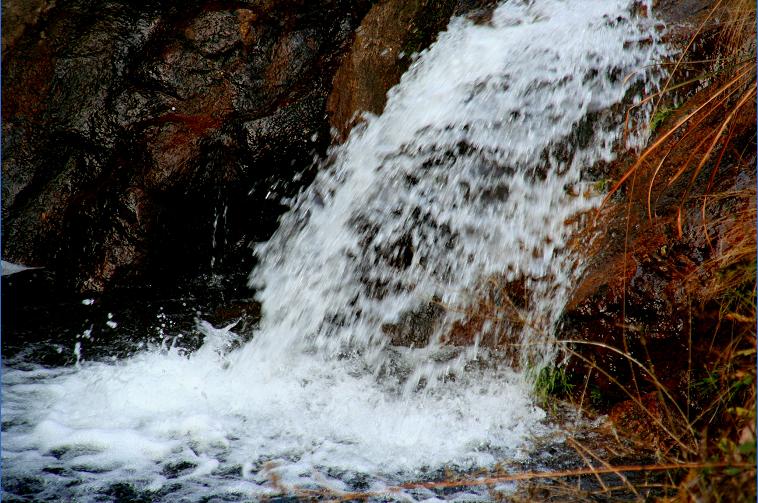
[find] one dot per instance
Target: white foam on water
(472, 171)
(318, 422)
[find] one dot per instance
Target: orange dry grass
(731, 89)
(683, 162)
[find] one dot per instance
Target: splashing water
(471, 172)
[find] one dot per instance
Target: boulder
(386, 43)
(141, 140)
(150, 142)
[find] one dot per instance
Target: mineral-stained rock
(148, 141)
(651, 291)
(20, 14)
(130, 128)
(388, 37)
(655, 312)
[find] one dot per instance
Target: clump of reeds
(730, 85)
(714, 420)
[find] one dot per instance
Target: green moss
(596, 398)
(659, 117)
(601, 186)
(552, 382)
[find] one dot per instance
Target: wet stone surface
(128, 130)
(112, 327)
(144, 143)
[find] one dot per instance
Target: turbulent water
(472, 173)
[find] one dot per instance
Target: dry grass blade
(524, 476)
(579, 447)
(657, 94)
(744, 71)
(688, 47)
(712, 178)
(716, 138)
(692, 127)
(641, 366)
(705, 282)
(638, 402)
(572, 473)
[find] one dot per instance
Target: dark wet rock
(669, 261)
(644, 425)
(20, 14)
(652, 288)
(149, 142)
(496, 317)
(129, 129)
(415, 328)
(678, 11)
(294, 131)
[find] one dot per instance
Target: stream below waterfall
(478, 169)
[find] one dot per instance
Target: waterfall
(473, 173)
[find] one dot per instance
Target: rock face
(661, 331)
(143, 140)
(18, 15)
(385, 43)
(654, 288)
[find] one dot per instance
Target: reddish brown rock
(654, 287)
(643, 421)
(18, 15)
(388, 37)
(199, 107)
(179, 103)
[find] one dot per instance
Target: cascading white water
(471, 172)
